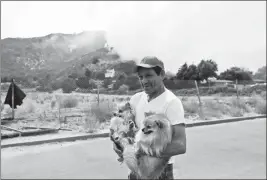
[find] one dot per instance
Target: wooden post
(13, 112)
(198, 93)
(236, 82)
(98, 83)
(200, 104)
(98, 94)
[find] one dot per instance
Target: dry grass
(213, 108)
(103, 111)
(44, 108)
(258, 102)
(69, 102)
(238, 107)
(191, 106)
(91, 121)
(260, 107)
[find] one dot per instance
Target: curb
(220, 121)
(29, 133)
(102, 135)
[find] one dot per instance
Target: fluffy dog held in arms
(151, 138)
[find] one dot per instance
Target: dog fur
(152, 138)
(122, 125)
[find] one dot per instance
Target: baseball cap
(150, 62)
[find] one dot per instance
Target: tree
(99, 75)
(132, 82)
(83, 82)
(261, 73)
(121, 76)
(126, 66)
(192, 73)
(68, 85)
(88, 73)
(107, 82)
(207, 68)
(73, 75)
(181, 72)
(95, 60)
(236, 73)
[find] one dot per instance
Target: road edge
(102, 135)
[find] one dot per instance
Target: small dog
(122, 125)
(152, 138)
(125, 111)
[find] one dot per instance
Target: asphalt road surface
(232, 150)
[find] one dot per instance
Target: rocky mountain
(49, 54)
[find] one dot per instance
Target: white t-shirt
(166, 103)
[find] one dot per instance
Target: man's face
(150, 81)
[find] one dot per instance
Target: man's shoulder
(171, 96)
(136, 97)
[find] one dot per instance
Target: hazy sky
(229, 32)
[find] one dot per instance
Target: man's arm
(175, 113)
(178, 144)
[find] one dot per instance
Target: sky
(232, 33)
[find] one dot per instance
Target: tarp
(19, 95)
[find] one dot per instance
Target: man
(157, 98)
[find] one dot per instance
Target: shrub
(104, 111)
(123, 89)
(191, 106)
(83, 83)
(68, 85)
(214, 109)
(69, 102)
(91, 121)
(260, 107)
(238, 107)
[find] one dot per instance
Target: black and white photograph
(133, 90)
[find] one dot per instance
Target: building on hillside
(110, 73)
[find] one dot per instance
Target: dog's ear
(159, 124)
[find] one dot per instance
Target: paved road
(233, 150)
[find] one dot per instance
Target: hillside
(51, 53)
(58, 60)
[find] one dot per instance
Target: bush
(104, 111)
(69, 102)
(83, 83)
(123, 89)
(191, 107)
(133, 82)
(260, 107)
(213, 108)
(68, 85)
(238, 107)
(91, 122)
